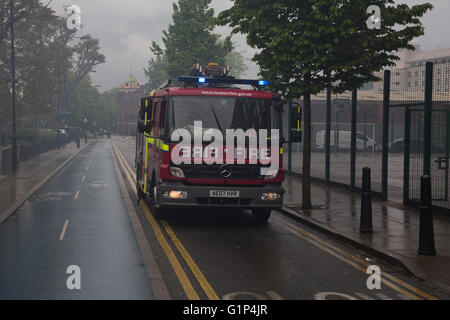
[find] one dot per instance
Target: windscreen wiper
(215, 117)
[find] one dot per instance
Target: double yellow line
(173, 260)
(356, 262)
(396, 284)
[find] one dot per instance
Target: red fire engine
(209, 97)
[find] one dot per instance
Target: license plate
(224, 194)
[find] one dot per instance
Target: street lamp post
(13, 87)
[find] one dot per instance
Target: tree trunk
(306, 172)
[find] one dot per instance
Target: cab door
(161, 141)
(152, 140)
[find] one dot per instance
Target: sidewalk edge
(16, 205)
(406, 264)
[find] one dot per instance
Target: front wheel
(261, 215)
(158, 213)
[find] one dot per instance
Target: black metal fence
(400, 128)
(342, 161)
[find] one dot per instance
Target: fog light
(175, 194)
(270, 196)
(176, 172)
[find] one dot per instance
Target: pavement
(396, 228)
(16, 187)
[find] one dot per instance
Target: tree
(308, 45)
(157, 68)
(48, 65)
(190, 40)
(236, 61)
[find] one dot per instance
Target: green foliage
(307, 44)
(50, 62)
(236, 61)
(157, 68)
(87, 102)
(190, 39)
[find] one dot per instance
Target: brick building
(128, 100)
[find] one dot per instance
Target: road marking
(324, 295)
(382, 296)
(274, 296)
(350, 262)
(183, 252)
(153, 270)
(84, 178)
(190, 262)
(363, 296)
(77, 194)
(63, 232)
(355, 258)
(338, 253)
(87, 168)
(176, 266)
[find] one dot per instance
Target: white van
(363, 142)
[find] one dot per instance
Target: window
(162, 116)
(154, 109)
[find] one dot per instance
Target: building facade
(128, 100)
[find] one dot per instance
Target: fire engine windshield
(223, 113)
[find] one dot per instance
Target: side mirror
(146, 102)
(141, 126)
(144, 128)
(296, 134)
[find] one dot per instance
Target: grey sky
(126, 29)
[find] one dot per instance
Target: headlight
(175, 194)
(176, 172)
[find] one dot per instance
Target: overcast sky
(126, 29)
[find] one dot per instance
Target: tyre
(261, 216)
(369, 149)
(157, 212)
(140, 193)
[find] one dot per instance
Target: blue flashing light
(224, 80)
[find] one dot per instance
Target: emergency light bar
(225, 80)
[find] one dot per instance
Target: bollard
(426, 233)
(365, 225)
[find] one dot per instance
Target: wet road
(225, 255)
(80, 218)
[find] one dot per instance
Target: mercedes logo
(225, 171)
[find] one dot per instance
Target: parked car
(63, 132)
(363, 142)
(415, 145)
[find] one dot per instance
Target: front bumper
(199, 196)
